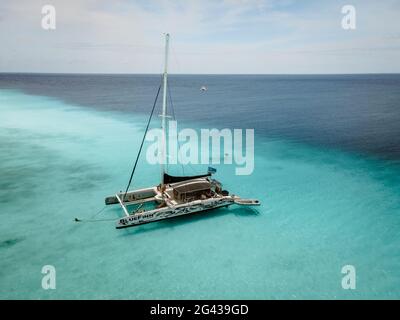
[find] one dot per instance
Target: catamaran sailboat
(175, 195)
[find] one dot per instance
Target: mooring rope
(94, 220)
(93, 216)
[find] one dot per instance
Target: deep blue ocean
(327, 171)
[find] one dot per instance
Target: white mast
(164, 111)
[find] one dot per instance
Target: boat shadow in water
(192, 218)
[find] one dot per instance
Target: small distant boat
(175, 195)
(203, 88)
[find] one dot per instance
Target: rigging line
(179, 144)
(173, 117)
(141, 145)
(174, 56)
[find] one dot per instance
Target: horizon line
(195, 74)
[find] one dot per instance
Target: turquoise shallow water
(321, 209)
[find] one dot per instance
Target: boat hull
(172, 212)
(133, 197)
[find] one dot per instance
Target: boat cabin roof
(191, 185)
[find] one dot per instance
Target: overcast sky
(207, 36)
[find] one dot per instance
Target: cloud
(209, 36)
